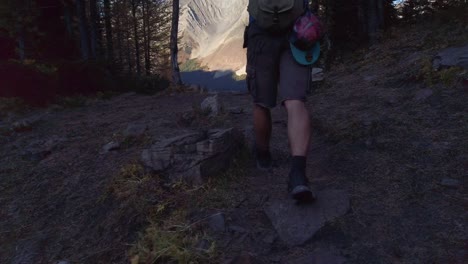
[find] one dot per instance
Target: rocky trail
(68, 158)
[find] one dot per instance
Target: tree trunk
(176, 79)
(94, 16)
(108, 24)
(145, 37)
(135, 36)
(67, 17)
(362, 19)
(83, 25)
(21, 44)
(372, 21)
(149, 33)
(380, 14)
(119, 41)
(128, 46)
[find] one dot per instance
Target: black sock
(263, 154)
(298, 163)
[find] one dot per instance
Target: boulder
(453, 56)
(194, 156)
(211, 104)
(297, 224)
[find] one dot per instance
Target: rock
(22, 126)
(451, 183)
(110, 146)
(454, 56)
(217, 222)
(135, 130)
(236, 110)
(423, 94)
(296, 224)
(317, 74)
(63, 262)
(211, 104)
(320, 257)
(27, 123)
(40, 149)
(194, 156)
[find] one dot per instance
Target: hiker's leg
(263, 56)
(262, 127)
(294, 79)
(294, 82)
(298, 127)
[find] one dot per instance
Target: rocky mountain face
(212, 32)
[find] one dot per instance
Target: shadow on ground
(221, 81)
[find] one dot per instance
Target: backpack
(276, 15)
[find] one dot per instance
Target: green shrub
(192, 65)
(146, 85)
(72, 101)
(11, 105)
(450, 76)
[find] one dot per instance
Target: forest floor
(386, 130)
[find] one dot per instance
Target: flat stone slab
(320, 256)
(297, 224)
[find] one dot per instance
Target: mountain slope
(212, 32)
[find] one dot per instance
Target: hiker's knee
(261, 109)
(292, 105)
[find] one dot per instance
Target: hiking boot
(298, 187)
(264, 161)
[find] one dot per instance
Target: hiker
(282, 44)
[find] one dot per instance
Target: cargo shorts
(272, 69)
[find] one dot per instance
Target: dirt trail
(54, 203)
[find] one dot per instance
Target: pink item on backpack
(308, 28)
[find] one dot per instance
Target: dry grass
(172, 236)
(395, 149)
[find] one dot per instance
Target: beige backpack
(276, 15)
